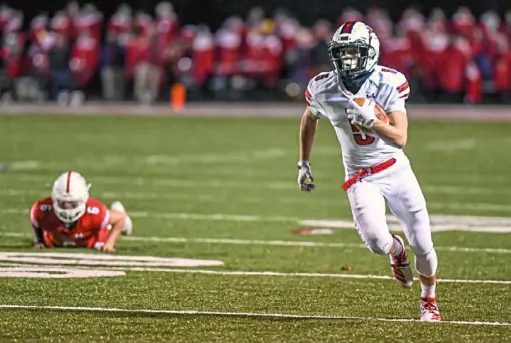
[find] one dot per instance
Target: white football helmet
(354, 49)
(70, 193)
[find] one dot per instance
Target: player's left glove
(305, 178)
(364, 115)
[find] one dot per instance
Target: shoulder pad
(316, 85)
(397, 80)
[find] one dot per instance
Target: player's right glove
(362, 115)
(305, 178)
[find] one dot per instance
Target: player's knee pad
(419, 233)
(380, 244)
(421, 247)
(426, 264)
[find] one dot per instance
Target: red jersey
(90, 229)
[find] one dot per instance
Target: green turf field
(225, 190)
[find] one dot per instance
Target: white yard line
(313, 275)
(183, 196)
(460, 190)
(190, 216)
(240, 314)
(24, 165)
(467, 207)
(115, 160)
(240, 272)
(160, 182)
(214, 161)
(501, 225)
(228, 241)
(295, 243)
(452, 145)
(272, 184)
(299, 199)
(238, 157)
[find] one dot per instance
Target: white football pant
(399, 187)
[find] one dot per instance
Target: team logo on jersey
(371, 96)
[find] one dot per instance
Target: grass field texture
(223, 192)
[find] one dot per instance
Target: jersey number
(93, 210)
(321, 77)
(360, 137)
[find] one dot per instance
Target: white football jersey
(327, 97)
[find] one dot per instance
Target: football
(380, 112)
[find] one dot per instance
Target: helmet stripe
(347, 27)
(68, 181)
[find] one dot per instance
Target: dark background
(213, 12)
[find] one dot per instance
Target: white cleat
(128, 225)
(400, 265)
(429, 310)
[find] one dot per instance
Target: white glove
(364, 116)
(305, 179)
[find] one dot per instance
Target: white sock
(428, 291)
(398, 247)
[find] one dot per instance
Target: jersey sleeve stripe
(32, 216)
(403, 87)
(308, 96)
(105, 221)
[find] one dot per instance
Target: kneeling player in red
(70, 218)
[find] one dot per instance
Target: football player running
(71, 218)
(376, 168)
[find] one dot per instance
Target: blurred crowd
(78, 53)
